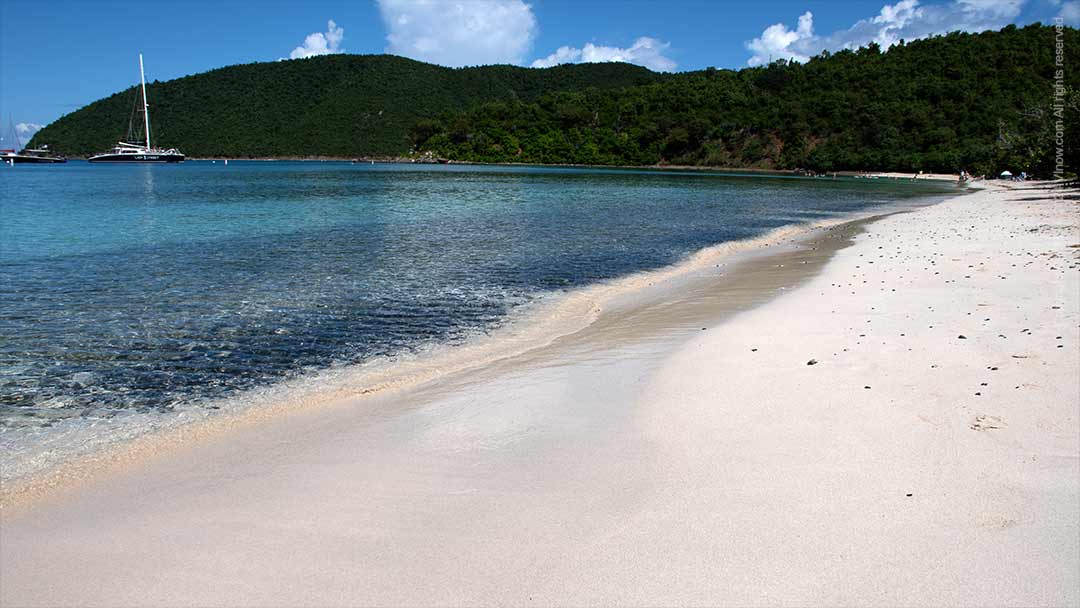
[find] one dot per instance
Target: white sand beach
(944, 177)
(888, 414)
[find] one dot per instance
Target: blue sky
(56, 56)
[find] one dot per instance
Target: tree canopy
(980, 102)
(331, 105)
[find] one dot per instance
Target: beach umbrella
(1006, 174)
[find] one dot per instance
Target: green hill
(333, 105)
(980, 102)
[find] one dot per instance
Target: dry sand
(671, 453)
(946, 177)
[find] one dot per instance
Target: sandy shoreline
(670, 454)
(31, 469)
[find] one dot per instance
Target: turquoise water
(147, 287)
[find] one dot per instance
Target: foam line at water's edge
(80, 448)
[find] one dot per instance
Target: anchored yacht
(127, 151)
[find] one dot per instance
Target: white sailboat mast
(146, 104)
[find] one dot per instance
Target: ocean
(157, 289)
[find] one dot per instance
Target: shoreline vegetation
(979, 103)
(892, 395)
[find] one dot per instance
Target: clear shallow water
(146, 287)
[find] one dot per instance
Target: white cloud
(26, 130)
(907, 20)
(564, 54)
(321, 43)
(778, 42)
(645, 51)
(467, 32)
(1070, 12)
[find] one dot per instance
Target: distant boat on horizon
(42, 155)
(126, 151)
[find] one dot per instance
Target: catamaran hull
(137, 158)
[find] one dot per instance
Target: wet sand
(662, 304)
(680, 449)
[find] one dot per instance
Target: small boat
(42, 155)
(127, 151)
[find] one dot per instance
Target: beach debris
(812, 362)
(986, 422)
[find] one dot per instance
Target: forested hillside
(980, 102)
(333, 105)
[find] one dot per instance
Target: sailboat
(127, 151)
(42, 155)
